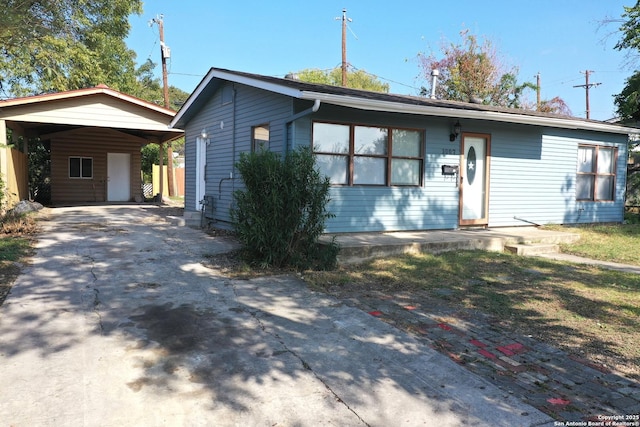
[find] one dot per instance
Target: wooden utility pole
(587, 86)
(165, 53)
(344, 46)
(538, 91)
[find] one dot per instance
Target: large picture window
(368, 155)
(596, 175)
(81, 167)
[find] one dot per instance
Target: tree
(57, 45)
(630, 28)
(473, 72)
(358, 79)
(555, 106)
(627, 102)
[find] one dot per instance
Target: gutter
(313, 109)
(459, 113)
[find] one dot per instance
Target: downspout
(313, 109)
(233, 142)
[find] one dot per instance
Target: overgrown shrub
(281, 213)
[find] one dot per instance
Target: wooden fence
(178, 181)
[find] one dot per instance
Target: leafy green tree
(473, 72)
(281, 213)
(627, 102)
(57, 45)
(358, 79)
(630, 28)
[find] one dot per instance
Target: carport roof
(96, 107)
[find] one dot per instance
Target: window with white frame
(81, 167)
(260, 138)
(368, 155)
(596, 174)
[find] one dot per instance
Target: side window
(596, 173)
(260, 138)
(81, 167)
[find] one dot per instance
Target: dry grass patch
(583, 309)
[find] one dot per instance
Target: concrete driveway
(117, 323)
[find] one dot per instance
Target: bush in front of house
(281, 213)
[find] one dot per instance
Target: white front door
(474, 177)
(118, 177)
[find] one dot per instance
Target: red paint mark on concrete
(444, 326)
(487, 354)
(478, 343)
(517, 348)
(505, 351)
(558, 401)
(376, 313)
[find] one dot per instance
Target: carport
(95, 137)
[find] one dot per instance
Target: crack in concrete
(95, 301)
(305, 365)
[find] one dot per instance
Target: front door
(474, 179)
(118, 177)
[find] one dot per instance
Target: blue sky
(559, 39)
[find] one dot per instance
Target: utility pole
(538, 91)
(165, 53)
(587, 86)
(344, 45)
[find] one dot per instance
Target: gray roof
(378, 101)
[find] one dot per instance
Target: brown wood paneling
(94, 143)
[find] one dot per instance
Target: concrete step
(532, 249)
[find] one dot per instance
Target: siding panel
(94, 143)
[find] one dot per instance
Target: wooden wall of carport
(94, 143)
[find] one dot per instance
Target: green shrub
(280, 214)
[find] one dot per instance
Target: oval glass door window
(471, 165)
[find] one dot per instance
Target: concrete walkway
(117, 323)
(358, 247)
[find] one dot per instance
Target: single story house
(404, 162)
(95, 137)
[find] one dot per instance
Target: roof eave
(79, 93)
(460, 113)
(182, 117)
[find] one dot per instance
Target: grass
(609, 242)
(583, 309)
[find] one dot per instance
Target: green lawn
(616, 243)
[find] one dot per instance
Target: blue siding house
(403, 162)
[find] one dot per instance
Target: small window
(260, 138)
(81, 167)
(596, 174)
